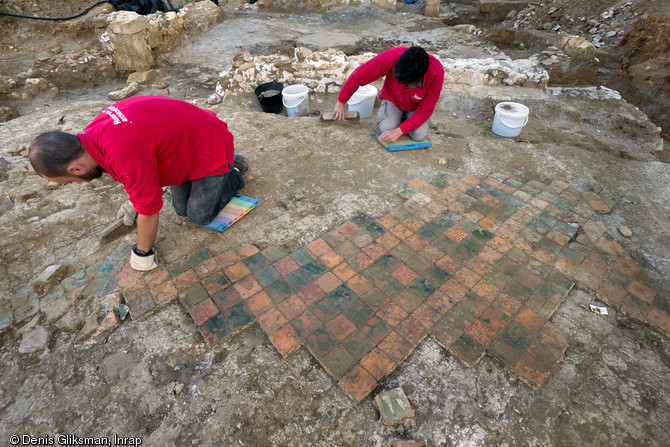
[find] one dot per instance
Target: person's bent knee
(420, 133)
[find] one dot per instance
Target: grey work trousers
(201, 200)
(389, 117)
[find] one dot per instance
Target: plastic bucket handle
(283, 100)
(500, 118)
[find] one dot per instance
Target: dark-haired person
(411, 89)
(146, 143)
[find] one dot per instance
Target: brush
(114, 231)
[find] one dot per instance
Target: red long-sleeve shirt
(422, 99)
(147, 142)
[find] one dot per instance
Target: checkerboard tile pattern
(480, 264)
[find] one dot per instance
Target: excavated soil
(611, 386)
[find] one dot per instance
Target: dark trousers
(201, 200)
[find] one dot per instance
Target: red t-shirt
(422, 99)
(147, 142)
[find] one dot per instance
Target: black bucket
(269, 95)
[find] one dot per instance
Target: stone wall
(136, 41)
(326, 71)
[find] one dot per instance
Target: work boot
(240, 163)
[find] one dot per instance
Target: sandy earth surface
(611, 388)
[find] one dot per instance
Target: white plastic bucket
(509, 119)
(296, 100)
(363, 101)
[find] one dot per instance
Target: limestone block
(575, 46)
(131, 52)
(127, 22)
(432, 8)
(142, 77)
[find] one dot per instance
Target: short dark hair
(52, 152)
(411, 65)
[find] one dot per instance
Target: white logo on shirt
(417, 97)
(115, 114)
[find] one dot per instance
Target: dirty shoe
(240, 163)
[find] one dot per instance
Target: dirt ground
(611, 388)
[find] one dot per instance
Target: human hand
(127, 213)
(338, 112)
(391, 136)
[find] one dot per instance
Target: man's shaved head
(52, 152)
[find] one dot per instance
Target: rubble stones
(34, 341)
(327, 70)
(7, 84)
(50, 276)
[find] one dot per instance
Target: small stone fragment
(394, 406)
(625, 231)
(50, 276)
(178, 388)
(53, 185)
(126, 92)
(32, 324)
(123, 311)
(109, 323)
(27, 194)
(89, 328)
(112, 301)
(34, 341)
(70, 322)
(56, 308)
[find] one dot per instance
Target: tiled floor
(479, 264)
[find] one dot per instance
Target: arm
(147, 228)
(391, 136)
(427, 105)
(338, 112)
